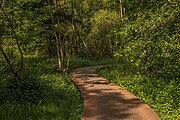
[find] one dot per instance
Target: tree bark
(10, 66)
(121, 8)
(13, 72)
(14, 36)
(115, 7)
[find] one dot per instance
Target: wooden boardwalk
(106, 101)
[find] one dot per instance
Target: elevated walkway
(106, 101)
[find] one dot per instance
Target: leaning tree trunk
(14, 72)
(10, 66)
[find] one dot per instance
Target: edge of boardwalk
(106, 101)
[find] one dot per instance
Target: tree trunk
(115, 7)
(10, 66)
(58, 52)
(14, 73)
(14, 36)
(121, 8)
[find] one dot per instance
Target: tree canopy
(144, 33)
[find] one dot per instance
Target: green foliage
(147, 38)
(151, 41)
(84, 62)
(161, 94)
(43, 94)
(99, 43)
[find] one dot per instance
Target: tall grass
(44, 94)
(47, 95)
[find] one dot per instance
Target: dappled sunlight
(105, 101)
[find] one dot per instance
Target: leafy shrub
(151, 41)
(43, 94)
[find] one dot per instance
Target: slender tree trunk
(14, 73)
(115, 7)
(58, 52)
(59, 41)
(121, 8)
(14, 36)
(10, 66)
(73, 27)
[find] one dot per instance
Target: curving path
(106, 101)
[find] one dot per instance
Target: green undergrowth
(83, 62)
(43, 94)
(161, 94)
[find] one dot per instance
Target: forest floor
(106, 101)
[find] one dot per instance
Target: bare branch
(16, 39)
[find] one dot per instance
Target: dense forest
(41, 41)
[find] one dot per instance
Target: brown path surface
(106, 101)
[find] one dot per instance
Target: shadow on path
(106, 101)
